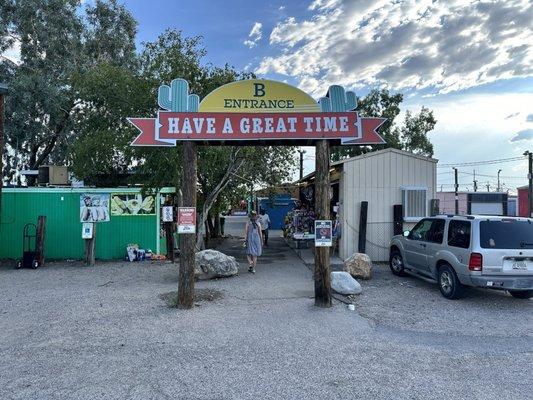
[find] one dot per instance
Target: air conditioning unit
(52, 175)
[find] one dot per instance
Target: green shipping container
(63, 240)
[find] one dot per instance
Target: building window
(414, 201)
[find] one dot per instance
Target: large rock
(343, 283)
(211, 264)
(359, 266)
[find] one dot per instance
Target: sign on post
(323, 233)
(168, 214)
(186, 220)
(87, 230)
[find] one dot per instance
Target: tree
(56, 44)
(411, 136)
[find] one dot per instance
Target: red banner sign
(170, 127)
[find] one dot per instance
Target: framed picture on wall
(124, 204)
(94, 207)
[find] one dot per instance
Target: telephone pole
(530, 178)
(488, 187)
(475, 182)
(499, 187)
(302, 152)
(456, 192)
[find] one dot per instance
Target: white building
(384, 179)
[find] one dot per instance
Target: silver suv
(457, 251)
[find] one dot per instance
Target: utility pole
(498, 189)
(530, 178)
(488, 187)
(456, 191)
(302, 152)
(475, 182)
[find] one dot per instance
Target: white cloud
(472, 127)
(254, 36)
(444, 46)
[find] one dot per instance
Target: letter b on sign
(259, 89)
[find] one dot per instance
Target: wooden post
(39, 242)
(188, 241)
(89, 248)
(169, 233)
(322, 202)
(361, 248)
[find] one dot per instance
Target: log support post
(322, 204)
(188, 241)
(89, 248)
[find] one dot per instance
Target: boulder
(343, 283)
(359, 266)
(211, 264)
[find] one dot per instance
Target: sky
(471, 62)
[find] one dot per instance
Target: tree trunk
(211, 198)
(187, 241)
(216, 226)
(210, 226)
(322, 202)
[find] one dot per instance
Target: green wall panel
(63, 227)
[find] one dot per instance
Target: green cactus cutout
(176, 97)
(339, 100)
(325, 104)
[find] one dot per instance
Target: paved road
(70, 332)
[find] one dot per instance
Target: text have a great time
(239, 124)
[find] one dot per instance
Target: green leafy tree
(57, 43)
(411, 136)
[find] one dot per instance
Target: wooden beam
(361, 248)
(188, 241)
(89, 248)
(322, 204)
(39, 242)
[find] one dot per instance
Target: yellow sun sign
(258, 96)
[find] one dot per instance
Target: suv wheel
(449, 284)
(522, 294)
(396, 263)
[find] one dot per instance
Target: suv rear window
(506, 234)
(459, 234)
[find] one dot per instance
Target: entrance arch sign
(253, 111)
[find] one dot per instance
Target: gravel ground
(71, 332)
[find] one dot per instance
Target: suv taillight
(476, 262)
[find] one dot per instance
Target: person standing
(264, 220)
(254, 246)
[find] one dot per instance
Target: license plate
(519, 266)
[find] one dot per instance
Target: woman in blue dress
(254, 241)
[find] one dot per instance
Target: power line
(486, 162)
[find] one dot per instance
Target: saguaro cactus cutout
(176, 97)
(338, 100)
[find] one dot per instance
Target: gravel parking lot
(72, 332)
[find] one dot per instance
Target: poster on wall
(323, 233)
(94, 207)
(123, 204)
